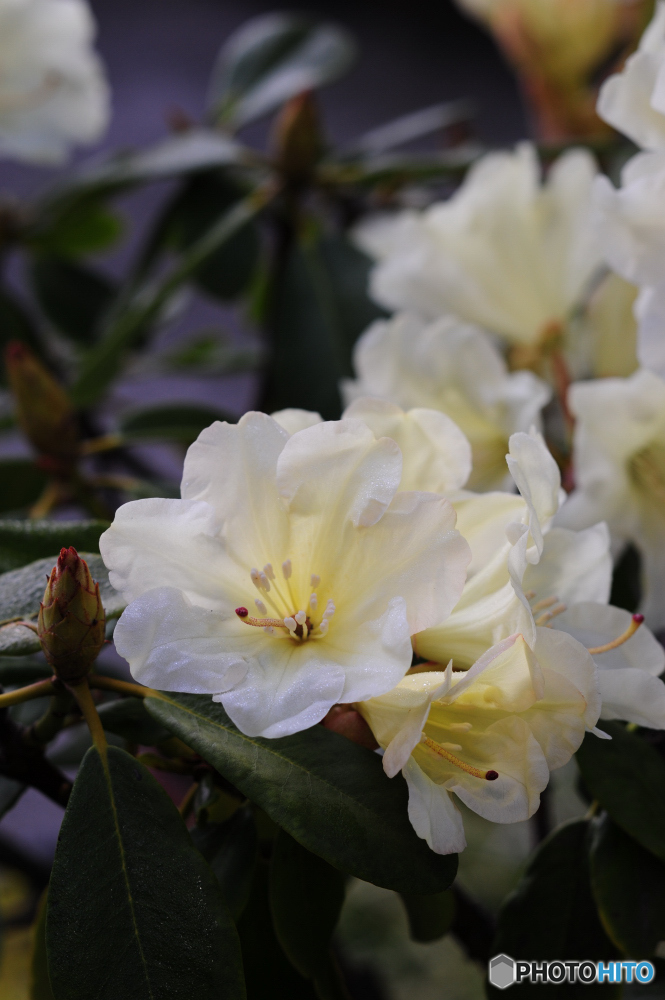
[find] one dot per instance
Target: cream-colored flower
(506, 252)
(633, 101)
(452, 367)
(613, 328)
(53, 92)
(289, 577)
(489, 735)
(619, 459)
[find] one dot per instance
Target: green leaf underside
(628, 884)
(306, 897)
(21, 591)
(134, 912)
(230, 849)
(627, 777)
(170, 423)
(552, 915)
(74, 298)
(21, 484)
(22, 541)
(330, 794)
(430, 917)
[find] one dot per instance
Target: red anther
(492, 775)
(242, 612)
(638, 619)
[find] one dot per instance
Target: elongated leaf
(16, 671)
(268, 972)
(74, 298)
(306, 897)
(331, 795)
(87, 227)
(170, 423)
(551, 914)
(271, 58)
(16, 324)
(133, 909)
(412, 126)
(230, 850)
(627, 777)
(128, 718)
(430, 917)
(21, 591)
(40, 984)
(628, 884)
(21, 484)
(24, 541)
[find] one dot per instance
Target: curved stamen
(624, 637)
(244, 616)
(451, 758)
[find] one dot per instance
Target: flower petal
(596, 624)
(293, 420)
(432, 812)
(632, 695)
(575, 566)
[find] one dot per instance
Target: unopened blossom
(619, 464)
(289, 577)
(507, 252)
(453, 367)
(53, 92)
(633, 101)
(490, 735)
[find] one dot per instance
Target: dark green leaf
(230, 850)
(128, 718)
(306, 897)
(22, 541)
(209, 355)
(272, 58)
(40, 985)
(430, 917)
(628, 884)
(85, 227)
(21, 591)
(74, 298)
(16, 324)
(170, 423)
(268, 972)
(133, 909)
(21, 484)
(304, 366)
(16, 671)
(330, 794)
(627, 777)
(551, 914)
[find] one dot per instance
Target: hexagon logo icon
(502, 971)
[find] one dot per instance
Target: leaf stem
(81, 692)
(36, 690)
(121, 687)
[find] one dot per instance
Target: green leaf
(74, 298)
(270, 59)
(413, 125)
(21, 591)
(306, 897)
(22, 541)
(230, 849)
(16, 671)
(330, 794)
(21, 484)
(104, 361)
(629, 888)
(430, 917)
(268, 972)
(205, 198)
(627, 777)
(551, 914)
(133, 909)
(16, 324)
(40, 984)
(128, 718)
(85, 227)
(302, 322)
(170, 423)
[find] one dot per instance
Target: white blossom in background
(53, 92)
(289, 577)
(612, 328)
(633, 101)
(619, 466)
(453, 367)
(506, 252)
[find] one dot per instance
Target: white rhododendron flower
(452, 367)
(53, 93)
(633, 101)
(619, 459)
(506, 252)
(489, 735)
(289, 577)
(613, 328)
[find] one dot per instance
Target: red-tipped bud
(242, 612)
(71, 618)
(297, 138)
(491, 775)
(638, 619)
(43, 410)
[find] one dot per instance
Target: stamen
(261, 606)
(624, 637)
(460, 727)
(291, 624)
(313, 601)
(286, 569)
(315, 580)
(530, 594)
(265, 582)
(549, 615)
(300, 617)
(270, 630)
(330, 610)
(547, 603)
(269, 571)
(323, 627)
(442, 752)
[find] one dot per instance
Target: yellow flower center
(292, 622)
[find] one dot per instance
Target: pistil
(442, 751)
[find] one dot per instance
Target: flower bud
(71, 618)
(43, 409)
(297, 138)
